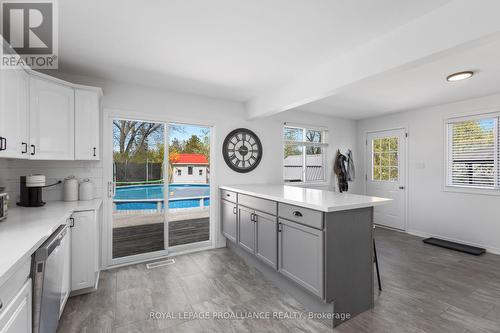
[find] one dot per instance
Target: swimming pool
(142, 197)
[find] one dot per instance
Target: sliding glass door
(159, 189)
(189, 184)
(139, 178)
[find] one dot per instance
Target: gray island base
(323, 257)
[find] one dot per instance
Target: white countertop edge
(326, 209)
(94, 204)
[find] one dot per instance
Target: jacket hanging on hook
(340, 171)
(351, 172)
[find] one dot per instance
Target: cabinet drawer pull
(33, 150)
(25, 145)
(297, 213)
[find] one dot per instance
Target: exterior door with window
(386, 175)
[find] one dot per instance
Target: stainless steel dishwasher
(47, 275)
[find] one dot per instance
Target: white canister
(70, 189)
(86, 191)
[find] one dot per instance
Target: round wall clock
(242, 150)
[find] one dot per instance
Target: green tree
(193, 145)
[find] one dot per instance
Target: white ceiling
(419, 86)
(237, 49)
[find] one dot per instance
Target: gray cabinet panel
(300, 253)
(228, 220)
(313, 218)
(266, 247)
(246, 229)
(228, 195)
(263, 205)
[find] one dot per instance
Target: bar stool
(376, 263)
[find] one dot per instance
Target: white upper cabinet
(14, 113)
(52, 120)
(87, 114)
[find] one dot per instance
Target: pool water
(176, 194)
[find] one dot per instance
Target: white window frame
(323, 144)
(448, 186)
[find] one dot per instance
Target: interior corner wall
(469, 218)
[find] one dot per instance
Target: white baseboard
(426, 235)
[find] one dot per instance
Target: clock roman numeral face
(242, 150)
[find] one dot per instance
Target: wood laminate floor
(426, 289)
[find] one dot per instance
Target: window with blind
(473, 152)
(304, 154)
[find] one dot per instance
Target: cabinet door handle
(1, 304)
(279, 227)
(33, 150)
(255, 217)
(25, 145)
(235, 211)
(94, 151)
(4, 143)
(297, 213)
(71, 222)
(1, 143)
(251, 217)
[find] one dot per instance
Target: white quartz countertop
(325, 201)
(25, 229)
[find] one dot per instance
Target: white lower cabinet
(15, 317)
(84, 250)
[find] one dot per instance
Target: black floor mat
(455, 246)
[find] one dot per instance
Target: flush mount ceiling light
(459, 76)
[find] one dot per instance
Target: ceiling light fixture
(459, 76)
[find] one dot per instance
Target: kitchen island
(316, 245)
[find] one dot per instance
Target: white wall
(151, 104)
(54, 171)
(468, 218)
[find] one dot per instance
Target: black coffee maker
(31, 190)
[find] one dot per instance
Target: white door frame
(367, 166)
(107, 157)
